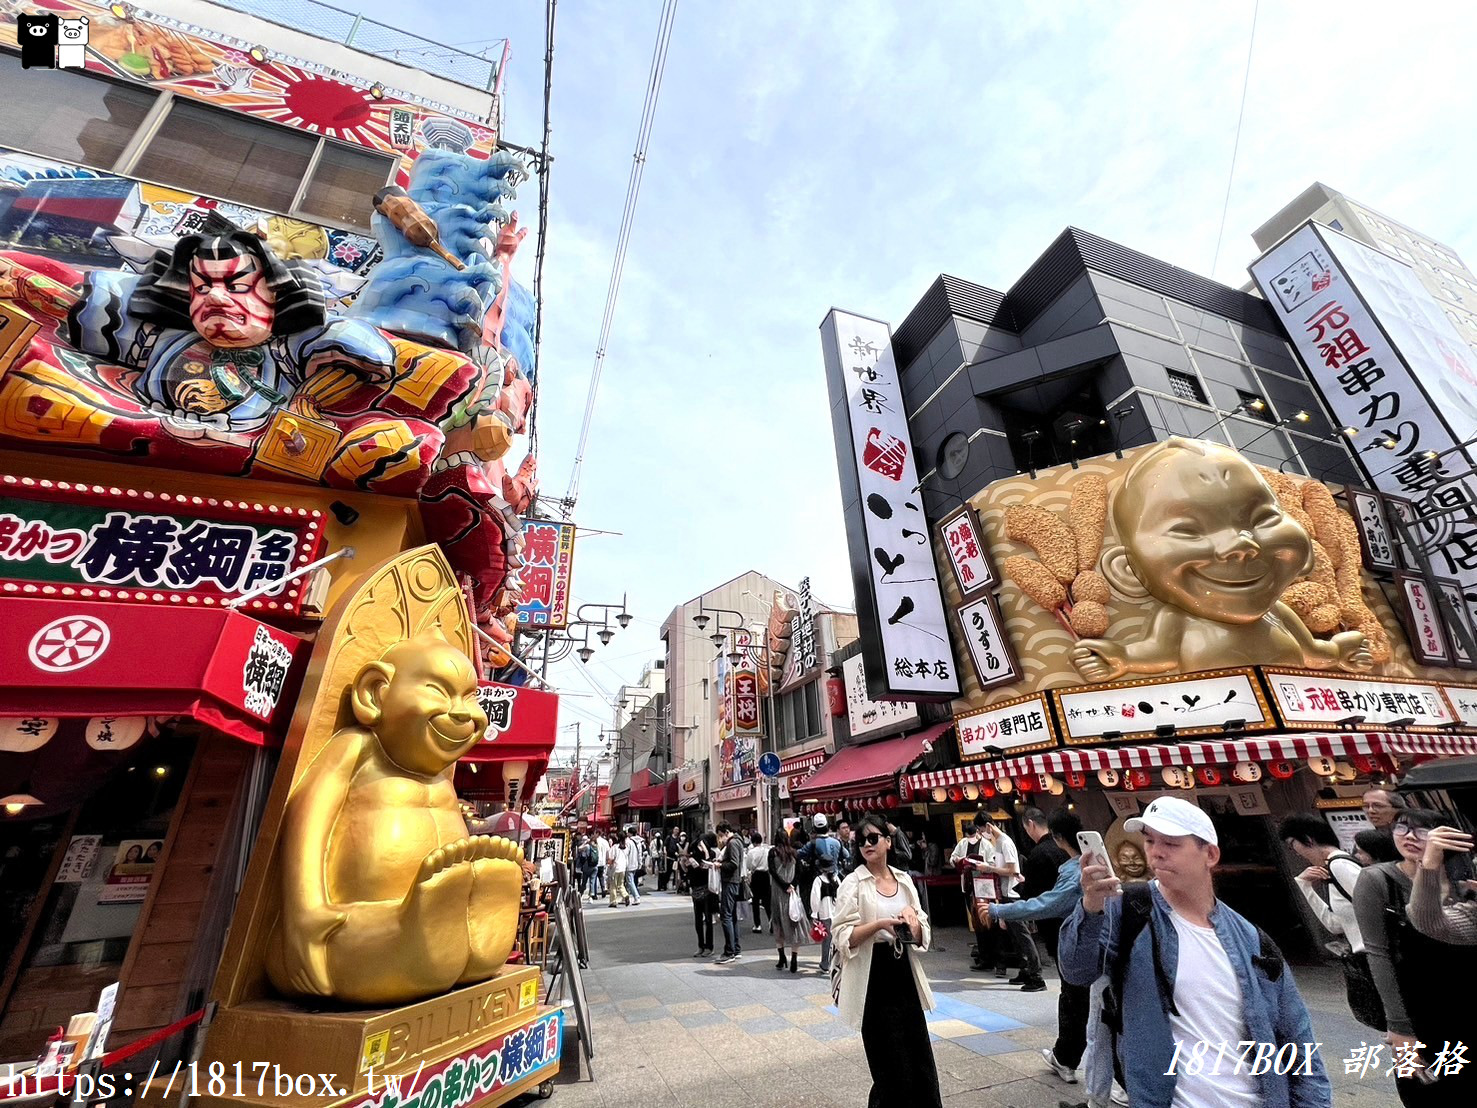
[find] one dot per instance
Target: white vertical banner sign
(1389, 364)
(905, 633)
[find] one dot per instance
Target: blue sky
(811, 155)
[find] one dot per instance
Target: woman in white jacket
(882, 989)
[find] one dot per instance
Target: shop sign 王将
(547, 573)
(868, 717)
(900, 607)
(1012, 726)
(959, 535)
(63, 539)
(989, 646)
(1195, 704)
(1311, 700)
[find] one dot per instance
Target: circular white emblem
(69, 643)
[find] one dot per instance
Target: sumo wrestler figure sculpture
(386, 898)
(1201, 532)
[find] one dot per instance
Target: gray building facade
(1098, 346)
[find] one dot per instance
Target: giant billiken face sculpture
(1203, 531)
(1201, 534)
(230, 303)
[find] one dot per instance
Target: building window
(705, 688)
(813, 708)
(343, 185)
(1185, 386)
(249, 162)
(73, 117)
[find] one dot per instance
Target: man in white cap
(1184, 970)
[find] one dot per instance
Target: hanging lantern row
(1335, 770)
(879, 803)
(23, 734)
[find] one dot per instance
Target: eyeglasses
(871, 838)
(1419, 834)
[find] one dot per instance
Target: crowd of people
(1151, 962)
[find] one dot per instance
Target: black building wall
(1096, 340)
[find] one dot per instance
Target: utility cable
(1236, 145)
(633, 193)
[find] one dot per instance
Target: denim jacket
(1273, 1010)
(1055, 902)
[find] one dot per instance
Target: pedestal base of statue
(481, 1045)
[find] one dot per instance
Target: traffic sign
(769, 764)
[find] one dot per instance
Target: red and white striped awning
(1271, 748)
(802, 767)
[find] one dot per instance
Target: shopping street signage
(1314, 700)
(547, 574)
(959, 534)
(1211, 701)
(868, 717)
(900, 609)
(1012, 726)
(61, 539)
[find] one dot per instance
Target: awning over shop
(1333, 745)
(655, 796)
(522, 725)
(797, 770)
(1442, 774)
(870, 768)
(69, 658)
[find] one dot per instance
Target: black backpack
(1137, 914)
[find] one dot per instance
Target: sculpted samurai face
(230, 302)
(231, 289)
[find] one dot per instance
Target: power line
(633, 193)
(543, 210)
(1236, 145)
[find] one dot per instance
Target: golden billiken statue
(385, 896)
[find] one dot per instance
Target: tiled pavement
(671, 1030)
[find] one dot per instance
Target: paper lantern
(1209, 775)
(1128, 782)
(1107, 778)
(1365, 764)
(905, 790)
(1322, 766)
(1137, 779)
(1344, 772)
(1246, 772)
(956, 794)
(971, 791)
(1076, 779)
(1178, 777)
(26, 733)
(115, 732)
(891, 801)
(987, 790)
(1057, 788)
(1281, 769)
(1044, 782)
(1004, 785)
(940, 795)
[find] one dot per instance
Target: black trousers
(1072, 1009)
(702, 919)
(759, 889)
(895, 1036)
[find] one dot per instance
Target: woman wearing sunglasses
(1415, 972)
(878, 981)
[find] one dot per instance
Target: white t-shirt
(890, 907)
(758, 858)
(1006, 854)
(1208, 997)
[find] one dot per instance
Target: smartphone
(1090, 843)
(903, 933)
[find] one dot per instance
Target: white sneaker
(1119, 1095)
(1066, 1073)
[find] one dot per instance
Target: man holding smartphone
(1176, 960)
